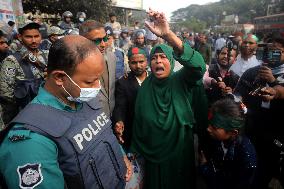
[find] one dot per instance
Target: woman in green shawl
(168, 106)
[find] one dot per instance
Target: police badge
(29, 175)
(32, 57)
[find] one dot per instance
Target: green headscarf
(168, 52)
(227, 123)
(162, 112)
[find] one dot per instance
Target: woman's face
(160, 65)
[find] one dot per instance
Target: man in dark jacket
(125, 95)
(223, 81)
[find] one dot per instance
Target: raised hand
(160, 25)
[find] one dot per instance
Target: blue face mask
(86, 94)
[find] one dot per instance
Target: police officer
(81, 16)
(54, 33)
(22, 72)
(66, 23)
(63, 138)
(4, 52)
(4, 47)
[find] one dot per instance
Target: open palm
(159, 26)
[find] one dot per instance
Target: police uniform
(16, 46)
(76, 148)
(45, 44)
(11, 72)
(65, 26)
(53, 30)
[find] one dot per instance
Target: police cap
(28, 26)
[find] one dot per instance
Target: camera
(268, 55)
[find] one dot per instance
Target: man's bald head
(66, 53)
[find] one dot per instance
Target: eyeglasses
(249, 42)
(99, 40)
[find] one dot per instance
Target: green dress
(166, 113)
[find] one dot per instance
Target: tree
(192, 24)
(212, 13)
(95, 9)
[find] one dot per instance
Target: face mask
(81, 19)
(86, 94)
(60, 36)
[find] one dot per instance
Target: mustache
(139, 70)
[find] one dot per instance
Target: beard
(139, 72)
(224, 66)
(247, 51)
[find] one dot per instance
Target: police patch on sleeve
(29, 175)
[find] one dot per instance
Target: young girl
(232, 161)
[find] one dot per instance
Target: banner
(11, 10)
(130, 4)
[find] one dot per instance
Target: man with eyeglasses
(246, 59)
(95, 32)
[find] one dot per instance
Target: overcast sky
(168, 6)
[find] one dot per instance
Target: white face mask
(81, 19)
(86, 94)
(60, 36)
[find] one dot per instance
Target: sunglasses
(99, 40)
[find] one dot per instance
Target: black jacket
(230, 79)
(125, 96)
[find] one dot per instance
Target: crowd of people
(92, 105)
